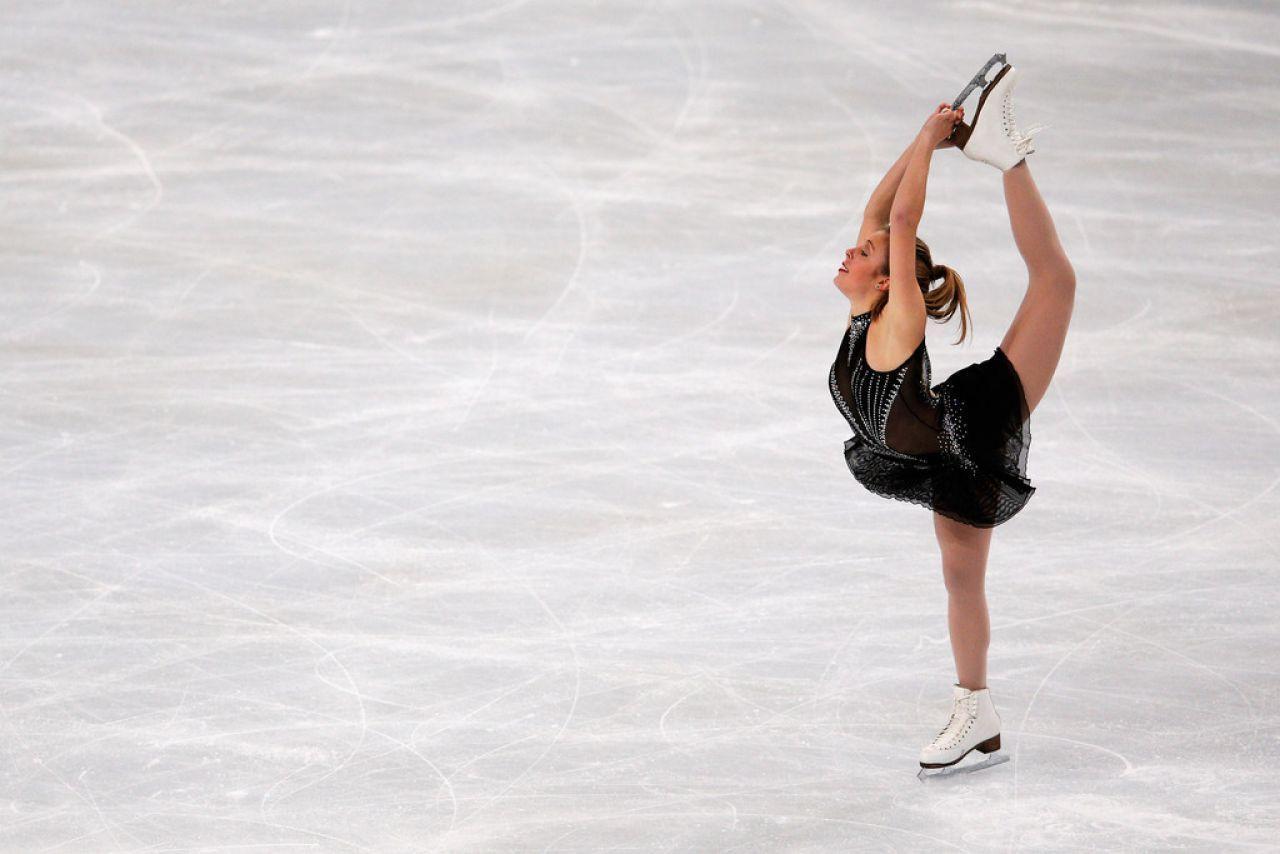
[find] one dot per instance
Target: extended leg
(964, 567)
(1034, 340)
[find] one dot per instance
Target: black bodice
(894, 411)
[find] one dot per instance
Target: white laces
(962, 712)
(1022, 140)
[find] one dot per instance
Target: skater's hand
(940, 124)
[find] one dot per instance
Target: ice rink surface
(416, 433)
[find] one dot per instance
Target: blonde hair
(940, 302)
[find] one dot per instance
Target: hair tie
(939, 271)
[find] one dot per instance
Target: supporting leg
(964, 566)
(1034, 340)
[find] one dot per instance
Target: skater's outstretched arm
(879, 207)
(881, 202)
(905, 308)
(908, 202)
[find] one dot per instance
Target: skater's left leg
(964, 567)
(1036, 336)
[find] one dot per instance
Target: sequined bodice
(895, 411)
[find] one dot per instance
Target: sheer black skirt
(979, 475)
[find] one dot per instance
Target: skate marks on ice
(965, 766)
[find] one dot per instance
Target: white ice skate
(993, 136)
(974, 725)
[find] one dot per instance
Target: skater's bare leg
(1034, 340)
(964, 567)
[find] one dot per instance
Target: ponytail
(942, 301)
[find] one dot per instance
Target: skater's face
(865, 266)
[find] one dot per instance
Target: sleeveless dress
(959, 448)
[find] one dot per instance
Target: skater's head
(865, 274)
(865, 267)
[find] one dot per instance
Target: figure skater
(959, 448)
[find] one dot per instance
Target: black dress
(959, 448)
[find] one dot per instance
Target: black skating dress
(959, 448)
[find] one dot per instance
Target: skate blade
(979, 80)
(989, 760)
(963, 130)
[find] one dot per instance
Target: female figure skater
(959, 448)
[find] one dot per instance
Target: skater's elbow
(904, 218)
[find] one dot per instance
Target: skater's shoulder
(893, 340)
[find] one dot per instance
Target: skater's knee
(964, 578)
(1066, 278)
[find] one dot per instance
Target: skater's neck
(864, 304)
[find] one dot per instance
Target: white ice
(416, 435)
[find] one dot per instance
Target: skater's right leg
(1034, 340)
(964, 567)
(974, 722)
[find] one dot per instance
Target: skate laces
(1022, 140)
(962, 712)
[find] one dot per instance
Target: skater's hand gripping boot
(940, 125)
(956, 115)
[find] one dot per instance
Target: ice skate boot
(993, 137)
(974, 725)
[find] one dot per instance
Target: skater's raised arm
(908, 202)
(905, 308)
(876, 215)
(881, 203)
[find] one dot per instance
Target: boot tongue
(959, 692)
